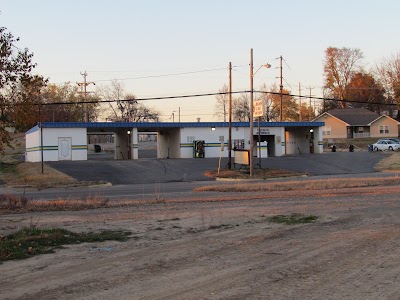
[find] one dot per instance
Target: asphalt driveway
(184, 170)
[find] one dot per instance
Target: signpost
(259, 112)
(258, 108)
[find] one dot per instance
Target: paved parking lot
(147, 170)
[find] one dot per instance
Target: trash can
(97, 148)
(333, 148)
(351, 148)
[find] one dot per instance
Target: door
(64, 149)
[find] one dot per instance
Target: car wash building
(69, 141)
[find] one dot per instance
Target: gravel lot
(209, 247)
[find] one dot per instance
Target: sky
(162, 48)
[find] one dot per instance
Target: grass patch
(300, 185)
(391, 163)
(11, 202)
(245, 174)
(293, 219)
(29, 242)
(30, 174)
(223, 226)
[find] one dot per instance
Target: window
(383, 129)
(326, 130)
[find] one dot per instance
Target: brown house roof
(354, 116)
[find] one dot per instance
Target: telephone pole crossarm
(84, 84)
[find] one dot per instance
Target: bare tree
(241, 108)
(222, 104)
(339, 67)
(124, 107)
(388, 73)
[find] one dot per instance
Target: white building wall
(280, 142)
(278, 133)
(303, 140)
(32, 146)
(51, 149)
(168, 143)
(318, 140)
(212, 139)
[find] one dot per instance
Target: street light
(267, 66)
(251, 110)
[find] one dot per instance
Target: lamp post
(259, 120)
(251, 111)
(251, 115)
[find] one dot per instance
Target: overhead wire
(199, 95)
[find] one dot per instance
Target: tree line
(26, 99)
(347, 84)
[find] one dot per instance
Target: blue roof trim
(171, 124)
(33, 129)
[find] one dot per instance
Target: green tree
(339, 67)
(26, 101)
(16, 83)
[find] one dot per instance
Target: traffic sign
(258, 108)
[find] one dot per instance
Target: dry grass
(391, 163)
(258, 174)
(10, 202)
(300, 185)
(30, 174)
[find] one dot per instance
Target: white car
(382, 145)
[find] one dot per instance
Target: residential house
(342, 123)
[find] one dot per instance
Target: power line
(195, 96)
(163, 75)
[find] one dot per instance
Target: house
(343, 123)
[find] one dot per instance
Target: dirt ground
(208, 247)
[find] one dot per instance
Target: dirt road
(209, 247)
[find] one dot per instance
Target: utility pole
(300, 116)
(84, 84)
(230, 119)
(251, 115)
(311, 109)
(281, 90)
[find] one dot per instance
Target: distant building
(349, 123)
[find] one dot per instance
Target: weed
(13, 202)
(29, 242)
(293, 219)
(299, 185)
(224, 226)
(166, 220)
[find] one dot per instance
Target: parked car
(397, 141)
(386, 144)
